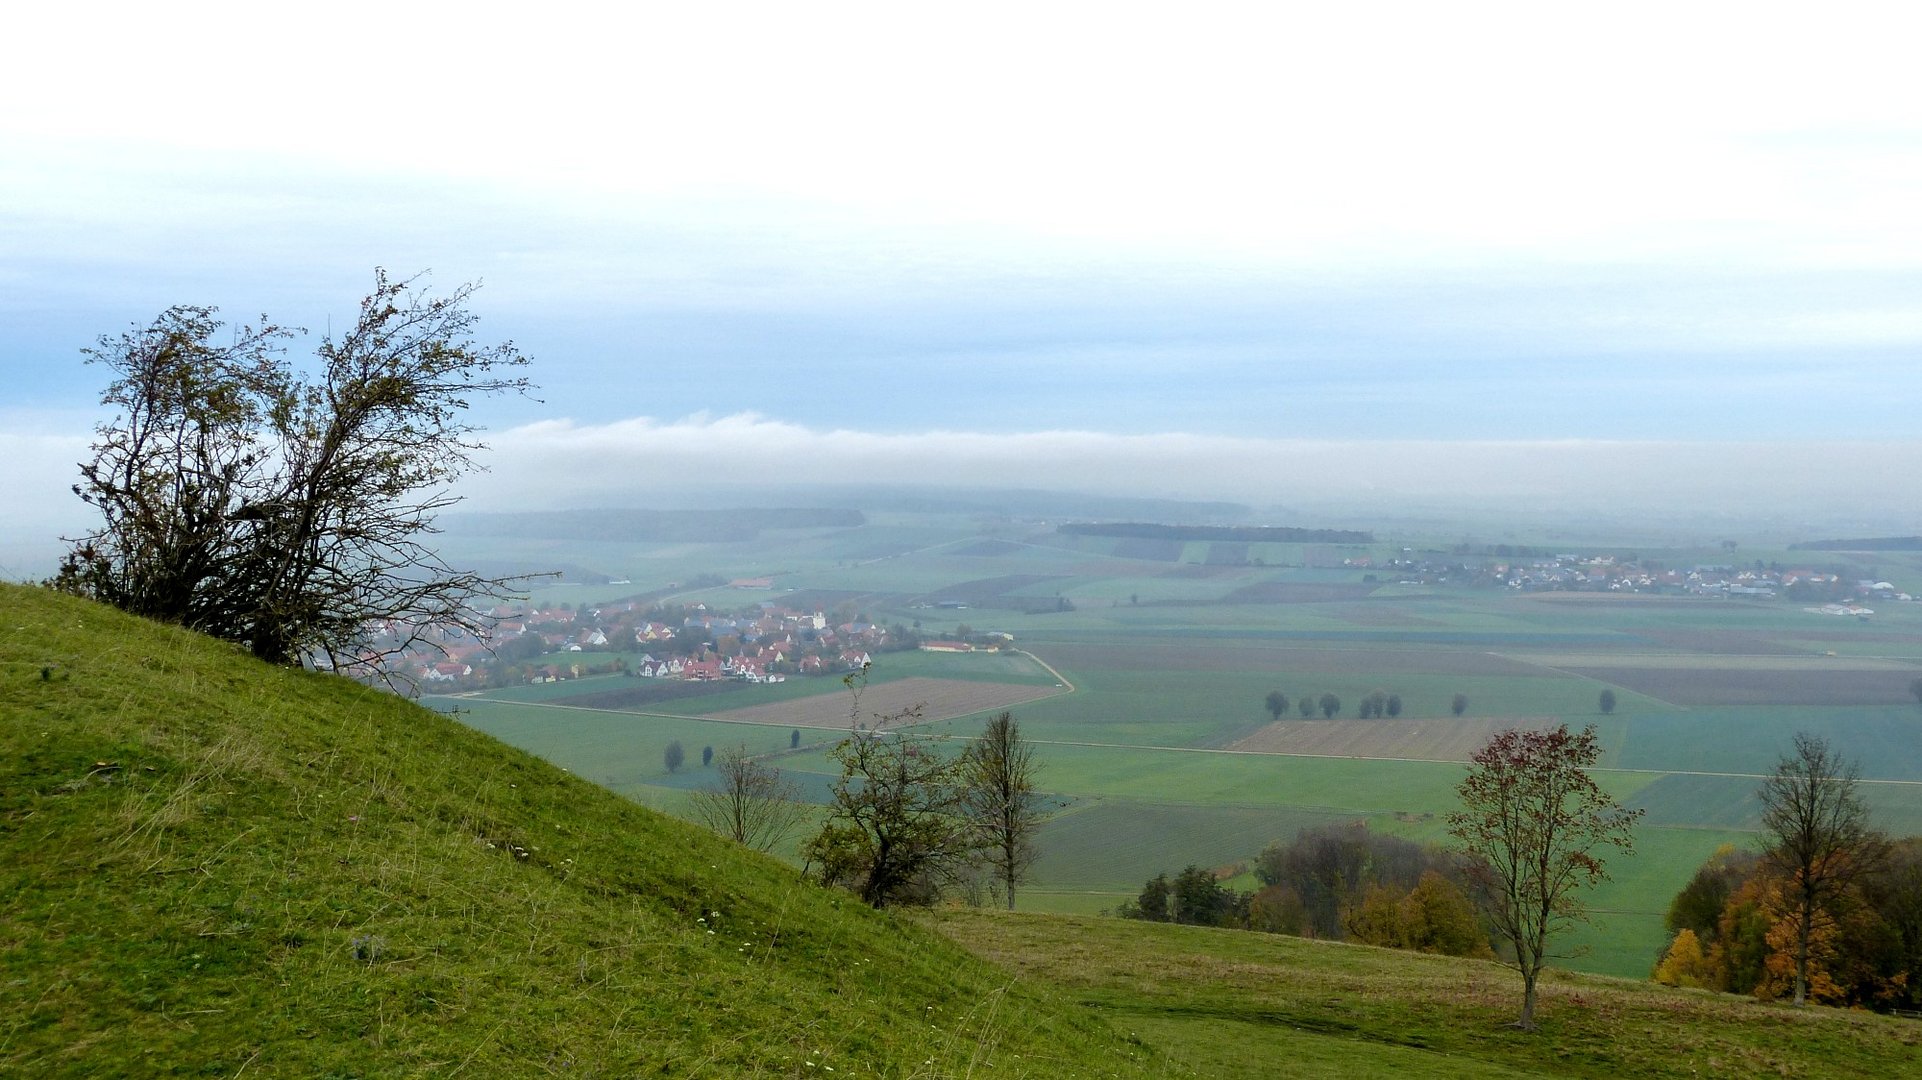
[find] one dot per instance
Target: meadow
(1156, 744)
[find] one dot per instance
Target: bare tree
(1819, 835)
(1530, 821)
(290, 514)
(999, 798)
(749, 803)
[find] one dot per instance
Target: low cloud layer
(1790, 490)
(633, 462)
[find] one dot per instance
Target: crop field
(1430, 739)
(1156, 739)
(1234, 656)
(1752, 686)
(1114, 845)
(926, 699)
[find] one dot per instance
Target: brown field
(1283, 659)
(1698, 639)
(939, 699)
(1760, 686)
(1428, 739)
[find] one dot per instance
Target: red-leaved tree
(1531, 822)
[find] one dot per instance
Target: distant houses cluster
(1571, 572)
(764, 644)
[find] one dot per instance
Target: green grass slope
(1227, 1003)
(211, 867)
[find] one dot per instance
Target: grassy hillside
(1226, 1003)
(210, 867)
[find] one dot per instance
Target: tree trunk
(1802, 952)
(1527, 1021)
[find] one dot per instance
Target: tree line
(1333, 883)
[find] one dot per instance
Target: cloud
(643, 461)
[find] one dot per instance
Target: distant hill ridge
(1882, 543)
(212, 866)
(1277, 534)
(668, 526)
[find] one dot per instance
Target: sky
(1495, 255)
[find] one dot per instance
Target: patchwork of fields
(1155, 740)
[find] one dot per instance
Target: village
(1627, 574)
(766, 643)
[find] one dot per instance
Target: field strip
(606, 712)
(1556, 661)
(1404, 760)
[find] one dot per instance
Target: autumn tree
(750, 802)
(1277, 703)
(1819, 836)
(244, 498)
(1531, 823)
(997, 776)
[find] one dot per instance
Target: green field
(1170, 649)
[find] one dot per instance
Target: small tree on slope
(1531, 822)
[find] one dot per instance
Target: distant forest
(672, 526)
(1881, 543)
(1249, 534)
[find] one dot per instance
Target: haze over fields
(1497, 260)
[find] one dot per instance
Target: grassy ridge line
(209, 866)
(1233, 1004)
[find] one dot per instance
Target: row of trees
(1374, 705)
(1830, 911)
